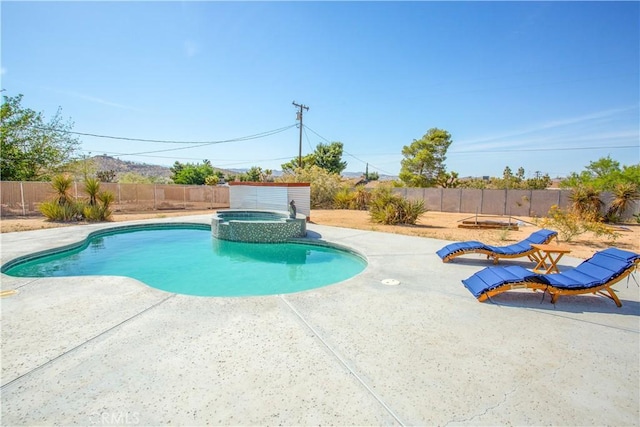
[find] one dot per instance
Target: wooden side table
(547, 257)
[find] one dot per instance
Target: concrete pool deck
(111, 350)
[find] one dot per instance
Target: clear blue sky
(546, 86)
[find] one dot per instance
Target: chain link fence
(23, 198)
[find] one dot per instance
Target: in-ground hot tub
(257, 226)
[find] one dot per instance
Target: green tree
(329, 157)
(254, 174)
(325, 156)
(540, 182)
(136, 178)
(507, 175)
(81, 168)
(372, 176)
(106, 175)
(603, 175)
(291, 166)
(424, 159)
(630, 174)
(324, 185)
(448, 180)
(191, 173)
(509, 180)
(32, 149)
(212, 180)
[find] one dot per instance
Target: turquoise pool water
(190, 261)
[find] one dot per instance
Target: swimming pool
(186, 259)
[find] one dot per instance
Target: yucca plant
(106, 199)
(63, 206)
(55, 211)
(62, 185)
(585, 201)
(343, 198)
(360, 199)
(92, 188)
(623, 194)
(388, 208)
(101, 210)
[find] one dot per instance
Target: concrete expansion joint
(488, 409)
(27, 283)
(343, 362)
(84, 343)
(590, 322)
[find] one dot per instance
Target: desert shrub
(91, 213)
(585, 202)
(100, 210)
(348, 198)
(212, 180)
(106, 199)
(343, 198)
(62, 185)
(324, 185)
(54, 211)
(92, 188)
(623, 194)
(566, 223)
(388, 208)
(64, 207)
(570, 224)
(361, 198)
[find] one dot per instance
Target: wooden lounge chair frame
(604, 289)
(496, 256)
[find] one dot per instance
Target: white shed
(274, 196)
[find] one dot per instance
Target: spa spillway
(257, 226)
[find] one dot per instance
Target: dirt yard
(436, 225)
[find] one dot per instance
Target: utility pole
(299, 117)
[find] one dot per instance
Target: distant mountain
(107, 163)
(361, 174)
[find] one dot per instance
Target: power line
(349, 154)
(521, 150)
(124, 138)
(235, 162)
(543, 149)
(308, 140)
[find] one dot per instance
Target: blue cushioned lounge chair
(594, 276)
(515, 250)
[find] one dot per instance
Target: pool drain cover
(390, 282)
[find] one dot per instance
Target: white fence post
(24, 213)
